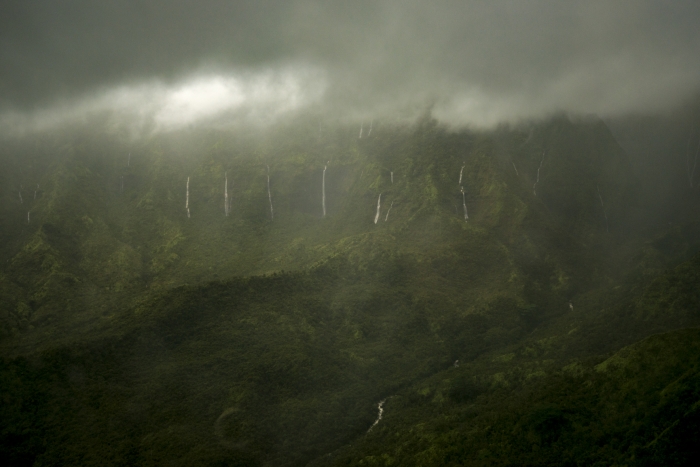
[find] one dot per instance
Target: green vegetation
(134, 335)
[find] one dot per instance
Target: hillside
(143, 324)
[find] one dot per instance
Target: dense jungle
(326, 293)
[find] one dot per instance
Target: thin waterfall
(27, 217)
(464, 205)
(269, 194)
(607, 228)
(387, 213)
(460, 174)
(323, 190)
(392, 177)
(226, 194)
(187, 198)
(21, 201)
(515, 168)
(380, 407)
(534, 187)
(379, 208)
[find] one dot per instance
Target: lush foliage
(134, 334)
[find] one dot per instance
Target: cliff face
(269, 334)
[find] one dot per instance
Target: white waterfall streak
(269, 194)
(607, 228)
(380, 406)
(387, 213)
(392, 178)
(361, 125)
(464, 205)
(27, 217)
(225, 194)
(379, 208)
(187, 198)
(534, 187)
(460, 175)
(21, 201)
(323, 190)
(370, 128)
(515, 168)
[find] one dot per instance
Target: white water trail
(380, 407)
(323, 190)
(460, 175)
(387, 213)
(187, 198)
(515, 168)
(361, 125)
(27, 217)
(534, 187)
(379, 208)
(607, 228)
(269, 194)
(226, 194)
(464, 205)
(392, 178)
(370, 127)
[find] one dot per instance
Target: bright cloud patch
(256, 98)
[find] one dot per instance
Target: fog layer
(475, 63)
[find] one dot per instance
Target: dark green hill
(135, 334)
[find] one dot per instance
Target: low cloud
(475, 63)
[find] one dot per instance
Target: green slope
(134, 334)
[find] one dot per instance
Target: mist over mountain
(332, 233)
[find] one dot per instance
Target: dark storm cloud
(477, 62)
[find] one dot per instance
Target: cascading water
(534, 187)
(226, 194)
(392, 177)
(380, 408)
(323, 190)
(464, 205)
(460, 174)
(515, 168)
(269, 194)
(379, 208)
(388, 211)
(187, 198)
